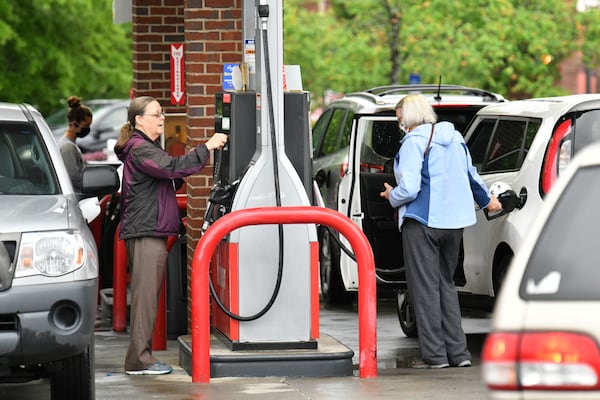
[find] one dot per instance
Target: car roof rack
(375, 93)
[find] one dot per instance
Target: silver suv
(354, 143)
(48, 259)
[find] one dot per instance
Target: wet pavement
(394, 381)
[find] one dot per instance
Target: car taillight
(557, 156)
(343, 169)
(541, 361)
(368, 167)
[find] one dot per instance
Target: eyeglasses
(157, 115)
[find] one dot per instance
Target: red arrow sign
(177, 74)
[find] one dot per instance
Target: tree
(509, 46)
(512, 47)
(331, 55)
(588, 24)
(51, 49)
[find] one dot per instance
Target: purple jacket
(148, 199)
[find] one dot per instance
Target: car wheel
(332, 286)
(74, 378)
(406, 314)
(500, 272)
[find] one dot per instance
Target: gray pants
(430, 257)
(147, 260)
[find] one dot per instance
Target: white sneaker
(159, 368)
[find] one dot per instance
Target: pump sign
(228, 76)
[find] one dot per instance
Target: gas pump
(261, 275)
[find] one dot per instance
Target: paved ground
(394, 381)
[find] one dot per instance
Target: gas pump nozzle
(219, 202)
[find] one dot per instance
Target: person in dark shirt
(79, 117)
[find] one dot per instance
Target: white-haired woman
(436, 184)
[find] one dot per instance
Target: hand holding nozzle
(217, 141)
(494, 205)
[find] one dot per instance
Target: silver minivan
(48, 259)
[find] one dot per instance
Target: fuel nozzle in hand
(506, 196)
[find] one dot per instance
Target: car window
(479, 141)
(564, 262)
(24, 165)
(501, 145)
(587, 126)
(318, 131)
(332, 141)
(346, 131)
(380, 143)
(113, 120)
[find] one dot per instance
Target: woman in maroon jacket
(149, 215)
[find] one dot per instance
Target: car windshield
(24, 165)
(564, 263)
(459, 116)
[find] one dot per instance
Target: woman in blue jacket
(149, 215)
(436, 186)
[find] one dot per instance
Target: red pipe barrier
(119, 310)
(367, 295)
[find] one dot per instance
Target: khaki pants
(147, 260)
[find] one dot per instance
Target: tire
(333, 290)
(74, 378)
(500, 272)
(406, 314)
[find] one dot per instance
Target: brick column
(213, 37)
(156, 24)
(211, 31)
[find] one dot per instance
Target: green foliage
(494, 44)
(331, 55)
(52, 49)
(589, 29)
(513, 47)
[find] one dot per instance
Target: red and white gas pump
(262, 274)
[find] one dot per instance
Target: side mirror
(99, 180)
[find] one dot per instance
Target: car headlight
(50, 253)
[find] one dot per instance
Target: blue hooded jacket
(439, 192)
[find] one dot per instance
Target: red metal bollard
(367, 295)
(119, 310)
